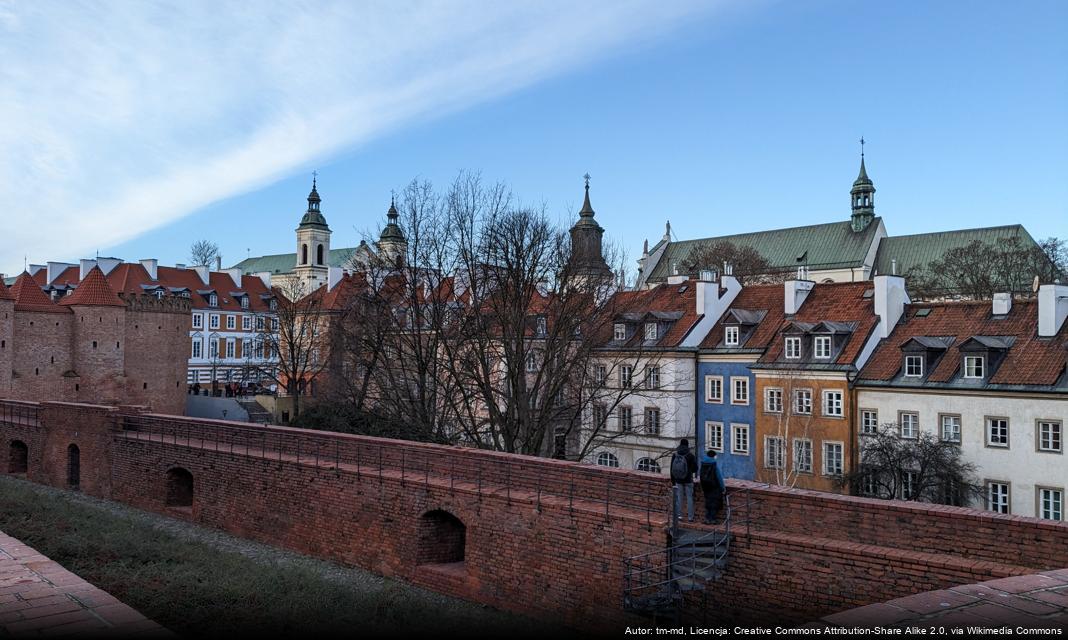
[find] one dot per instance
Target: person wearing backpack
(683, 469)
(712, 486)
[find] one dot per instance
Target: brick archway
(18, 458)
(442, 538)
(74, 467)
(179, 488)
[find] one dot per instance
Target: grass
(201, 583)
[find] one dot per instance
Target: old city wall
(539, 536)
(41, 357)
(159, 328)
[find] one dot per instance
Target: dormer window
(650, 331)
(213, 300)
(619, 331)
(272, 304)
(730, 336)
(822, 347)
(543, 326)
(244, 302)
(974, 367)
(159, 294)
(914, 366)
(793, 347)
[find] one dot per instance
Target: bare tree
(749, 267)
(203, 252)
(924, 468)
(980, 269)
(793, 407)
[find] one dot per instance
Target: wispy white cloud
(118, 117)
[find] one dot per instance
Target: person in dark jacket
(683, 469)
(712, 486)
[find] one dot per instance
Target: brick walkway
(1034, 601)
(39, 598)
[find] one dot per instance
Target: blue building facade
(726, 411)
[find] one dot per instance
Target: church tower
(313, 245)
(862, 197)
(392, 245)
(587, 259)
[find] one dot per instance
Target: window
(543, 326)
(869, 422)
(950, 428)
(650, 331)
(213, 349)
(198, 321)
(910, 425)
(739, 390)
(740, 439)
(246, 348)
(869, 485)
(244, 302)
(832, 459)
(713, 389)
(1049, 436)
(600, 413)
(997, 496)
(908, 485)
(626, 419)
(213, 321)
(274, 324)
(625, 376)
(648, 465)
(606, 459)
(714, 436)
(304, 254)
(973, 366)
(914, 366)
(620, 331)
(197, 346)
(652, 421)
(803, 401)
(793, 348)
(231, 322)
(213, 300)
(832, 404)
(997, 432)
(246, 323)
(259, 324)
(822, 347)
(730, 336)
(230, 348)
(774, 456)
(1050, 503)
(802, 455)
(532, 362)
(601, 375)
(772, 400)
(652, 377)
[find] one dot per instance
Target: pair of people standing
(683, 469)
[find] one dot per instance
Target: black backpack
(708, 474)
(680, 468)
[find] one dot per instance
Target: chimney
(1052, 309)
(707, 275)
(796, 291)
(179, 265)
(893, 267)
(1002, 303)
(890, 299)
(235, 275)
(265, 277)
(107, 264)
(712, 300)
(333, 277)
(202, 271)
(151, 265)
(218, 263)
(85, 266)
(677, 279)
(55, 269)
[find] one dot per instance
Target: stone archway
(442, 538)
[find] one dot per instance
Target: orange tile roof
(5, 293)
(834, 302)
(93, 290)
(30, 297)
(667, 298)
(1029, 361)
(760, 297)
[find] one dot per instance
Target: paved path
(39, 598)
(1038, 601)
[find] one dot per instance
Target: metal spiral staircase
(655, 584)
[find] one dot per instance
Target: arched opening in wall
(304, 254)
(74, 467)
(179, 489)
(442, 537)
(319, 255)
(18, 460)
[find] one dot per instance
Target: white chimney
(179, 265)
(85, 266)
(333, 277)
(235, 275)
(707, 275)
(55, 269)
(1002, 303)
(890, 299)
(796, 292)
(265, 277)
(107, 264)
(34, 268)
(677, 279)
(712, 301)
(893, 267)
(151, 265)
(203, 272)
(1052, 309)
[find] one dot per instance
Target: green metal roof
(923, 248)
(287, 262)
(821, 246)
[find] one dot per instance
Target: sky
(134, 129)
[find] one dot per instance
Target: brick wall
(7, 347)
(541, 537)
(42, 355)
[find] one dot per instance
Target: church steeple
(392, 245)
(862, 197)
(587, 258)
(313, 217)
(313, 242)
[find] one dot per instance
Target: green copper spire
(313, 217)
(862, 197)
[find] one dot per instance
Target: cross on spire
(861, 146)
(587, 178)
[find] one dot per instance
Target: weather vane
(861, 146)
(587, 178)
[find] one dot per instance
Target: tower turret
(587, 257)
(313, 242)
(862, 197)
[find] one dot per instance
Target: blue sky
(722, 117)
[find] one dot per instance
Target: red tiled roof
(1030, 360)
(665, 298)
(760, 297)
(93, 290)
(5, 293)
(834, 302)
(29, 297)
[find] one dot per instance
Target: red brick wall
(157, 355)
(7, 347)
(98, 342)
(542, 537)
(42, 354)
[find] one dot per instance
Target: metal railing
(19, 413)
(516, 478)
